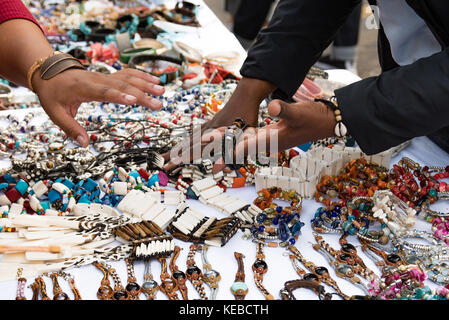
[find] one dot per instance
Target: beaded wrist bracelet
(340, 129)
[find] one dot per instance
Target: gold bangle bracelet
(36, 65)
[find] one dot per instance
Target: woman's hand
(62, 95)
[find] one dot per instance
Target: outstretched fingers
(61, 117)
(118, 89)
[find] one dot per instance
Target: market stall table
(212, 37)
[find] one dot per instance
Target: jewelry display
(239, 288)
(311, 281)
(178, 276)
(398, 283)
(358, 178)
(210, 193)
(355, 218)
(407, 188)
(440, 228)
(149, 285)
(150, 63)
(63, 206)
(286, 294)
(387, 261)
(260, 268)
(436, 269)
(306, 171)
(194, 274)
(147, 238)
(348, 248)
(210, 276)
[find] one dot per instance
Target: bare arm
(61, 96)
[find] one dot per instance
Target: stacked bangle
(53, 65)
(276, 222)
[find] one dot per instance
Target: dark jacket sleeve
(298, 33)
(400, 104)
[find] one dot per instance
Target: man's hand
(62, 95)
(299, 123)
(243, 104)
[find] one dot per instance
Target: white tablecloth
(215, 37)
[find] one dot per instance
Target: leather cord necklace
(132, 287)
(69, 278)
(321, 273)
(42, 288)
(168, 286)
(149, 286)
(178, 276)
(21, 282)
(119, 291)
(58, 294)
(35, 288)
(344, 263)
(260, 268)
(194, 274)
(105, 291)
(290, 286)
(210, 276)
(239, 288)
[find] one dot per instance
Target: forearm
(25, 44)
(247, 97)
(406, 102)
(244, 103)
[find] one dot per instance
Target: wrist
(245, 102)
(329, 123)
(49, 67)
(335, 118)
(34, 69)
(37, 82)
